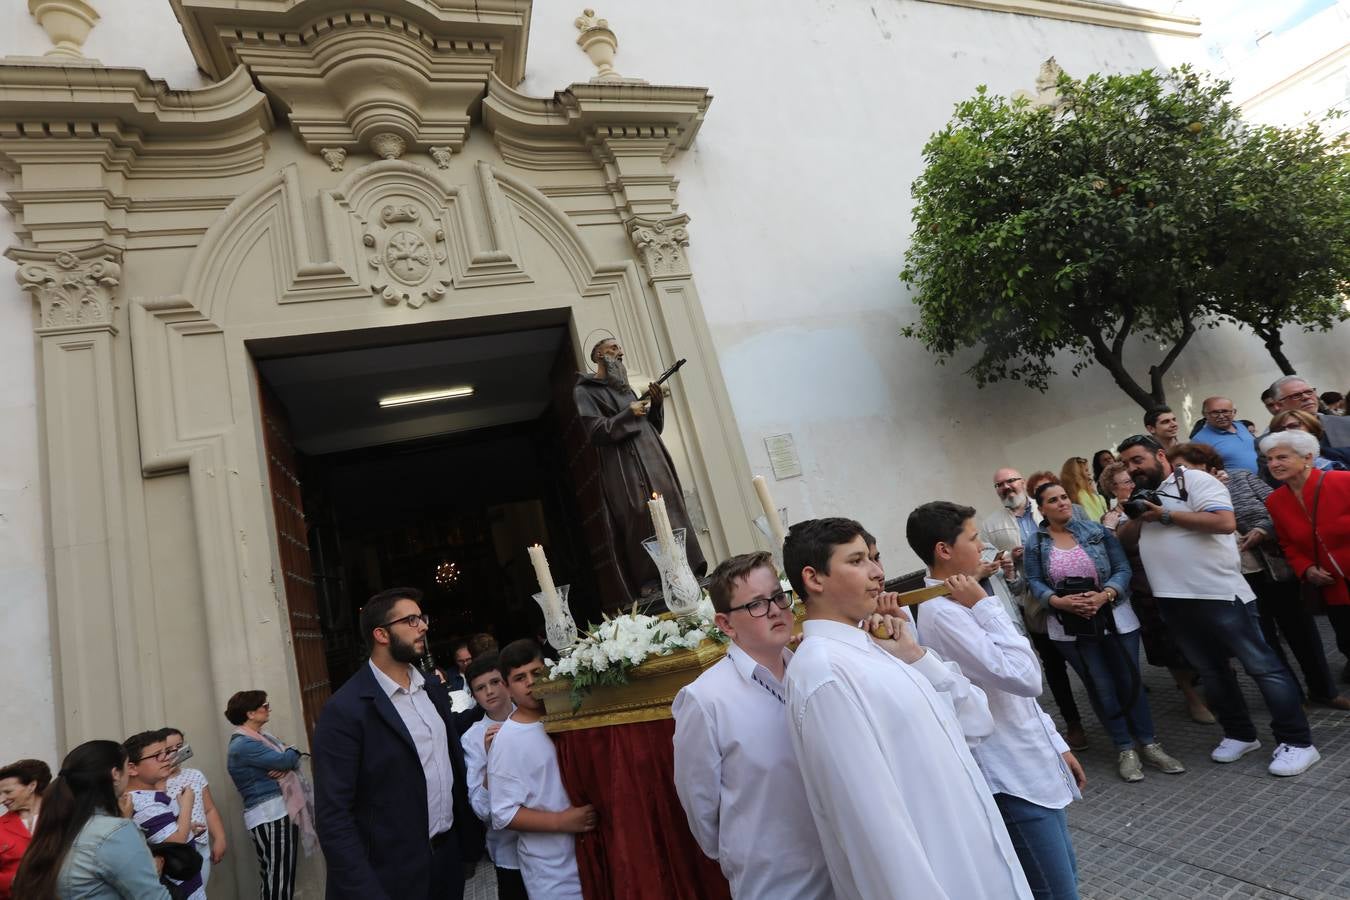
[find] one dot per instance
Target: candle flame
(655, 495)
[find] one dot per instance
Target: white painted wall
(799, 191)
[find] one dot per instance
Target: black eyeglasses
(161, 755)
(1009, 482)
(411, 621)
(759, 607)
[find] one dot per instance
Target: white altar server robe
(901, 808)
(501, 842)
(1024, 755)
(738, 782)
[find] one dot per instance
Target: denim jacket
(1101, 546)
(109, 860)
(249, 761)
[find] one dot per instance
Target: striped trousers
(276, 844)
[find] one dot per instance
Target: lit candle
(770, 511)
(665, 537)
(545, 579)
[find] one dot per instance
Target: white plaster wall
(798, 189)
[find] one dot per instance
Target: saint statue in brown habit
(634, 464)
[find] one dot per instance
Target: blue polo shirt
(1237, 447)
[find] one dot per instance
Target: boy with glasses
(162, 819)
(735, 773)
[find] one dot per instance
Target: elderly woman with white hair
(1311, 512)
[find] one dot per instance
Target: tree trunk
(1112, 360)
(1275, 346)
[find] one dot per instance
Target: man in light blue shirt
(1232, 440)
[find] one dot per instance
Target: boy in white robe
(1028, 766)
(485, 682)
(525, 787)
(901, 808)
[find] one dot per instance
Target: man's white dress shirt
(738, 782)
(427, 729)
(901, 808)
(501, 842)
(1023, 755)
(523, 771)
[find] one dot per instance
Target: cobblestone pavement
(1218, 830)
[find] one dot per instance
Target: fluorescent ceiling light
(426, 396)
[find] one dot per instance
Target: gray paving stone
(1218, 831)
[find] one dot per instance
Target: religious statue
(634, 464)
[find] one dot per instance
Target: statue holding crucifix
(626, 430)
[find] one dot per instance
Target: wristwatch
(1166, 517)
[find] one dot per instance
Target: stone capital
(660, 244)
(75, 289)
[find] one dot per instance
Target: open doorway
(396, 488)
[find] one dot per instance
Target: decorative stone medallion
(408, 254)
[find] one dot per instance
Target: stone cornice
(129, 122)
(1091, 12)
(383, 75)
(608, 119)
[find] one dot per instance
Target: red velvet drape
(642, 849)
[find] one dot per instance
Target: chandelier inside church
(447, 573)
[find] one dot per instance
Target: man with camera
(1185, 523)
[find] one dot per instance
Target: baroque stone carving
(67, 23)
(334, 156)
(1046, 94)
(73, 288)
(442, 156)
(409, 254)
(598, 42)
(388, 145)
(661, 243)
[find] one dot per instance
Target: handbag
(181, 861)
(1101, 623)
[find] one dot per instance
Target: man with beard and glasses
(634, 464)
(1187, 545)
(391, 801)
(1008, 530)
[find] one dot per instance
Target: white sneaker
(1230, 750)
(1290, 760)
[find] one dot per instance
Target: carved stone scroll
(661, 243)
(74, 288)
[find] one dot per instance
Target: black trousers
(1339, 616)
(510, 885)
(447, 869)
(1280, 607)
(1057, 677)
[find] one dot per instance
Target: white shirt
(194, 779)
(739, 784)
(501, 843)
(427, 729)
(523, 772)
(1023, 755)
(900, 805)
(1192, 564)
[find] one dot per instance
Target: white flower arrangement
(606, 652)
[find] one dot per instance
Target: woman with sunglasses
(258, 764)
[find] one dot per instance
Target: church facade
(197, 188)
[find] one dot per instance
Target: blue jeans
(1109, 666)
(1041, 838)
(1209, 632)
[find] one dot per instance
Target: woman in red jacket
(1311, 512)
(21, 787)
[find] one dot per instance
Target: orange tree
(1137, 206)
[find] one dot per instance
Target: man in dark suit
(391, 804)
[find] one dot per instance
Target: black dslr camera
(1134, 507)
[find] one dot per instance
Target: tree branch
(1156, 373)
(1114, 364)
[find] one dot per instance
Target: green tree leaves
(1140, 205)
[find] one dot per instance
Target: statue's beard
(1015, 501)
(616, 374)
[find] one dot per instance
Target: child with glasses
(735, 773)
(162, 819)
